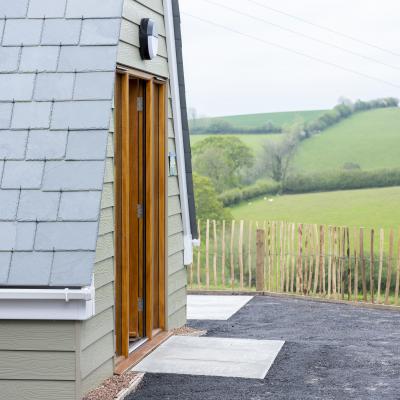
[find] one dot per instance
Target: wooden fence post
(260, 260)
(232, 258)
(249, 254)
(223, 254)
(396, 292)
(199, 256)
(381, 244)
(215, 250)
(208, 254)
(372, 268)
(362, 259)
(299, 287)
(355, 267)
(241, 270)
(389, 267)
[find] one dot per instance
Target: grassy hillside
(254, 141)
(378, 208)
(370, 139)
(257, 120)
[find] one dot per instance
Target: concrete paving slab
(214, 307)
(210, 356)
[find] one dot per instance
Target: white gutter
(47, 304)
(176, 110)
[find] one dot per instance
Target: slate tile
(54, 86)
(81, 115)
(5, 262)
(87, 145)
(13, 144)
(35, 115)
(73, 175)
(9, 58)
(37, 205)
(66, 236)
(18, 87)
(100, 31)
(30, 269)
(39, 59)
(64, 32)
(94, 9)
(80, 206)
(22, 32)
(8, 204)
(46, 8)
(94, 86)
(5, 115)
(72, 269)
(46, 145)
(22, 174)
(87, 58)
(13, 9)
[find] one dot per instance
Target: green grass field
(255, 142)
(257, 120)
(370, 208)
(370, 139)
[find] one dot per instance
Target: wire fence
(337, 262)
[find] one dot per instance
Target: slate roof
(57, 66)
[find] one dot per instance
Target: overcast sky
(227, 73)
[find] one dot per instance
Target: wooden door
(140, 198)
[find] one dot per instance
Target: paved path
(331, 352)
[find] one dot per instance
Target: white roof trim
(47, 304)
(176, 110)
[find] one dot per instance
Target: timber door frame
(154, 207)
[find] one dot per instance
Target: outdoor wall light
(148, 38)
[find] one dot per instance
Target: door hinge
(140, 104)
(140, 210)
(140, 305)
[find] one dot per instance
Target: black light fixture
(148, 38)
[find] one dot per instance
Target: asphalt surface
(332, 351)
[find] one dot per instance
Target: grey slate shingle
(72, 268)
(31, 268)
(54, 86)
(9, 58)
(13, 9)
(13, 145)
(100, 31)
(46, 145)
(64, 32)
(92, 58)
(5, 115)
(79, 206)
(73, 175)
(66, 236)
(8, 204)
(46, 8)
(94, 9)
(35, 115)
(86, 145)
(26, 32)
(5, 260)
(81, 115)
(22, 174)
(20, 85)
(37, 205)
(17, 236)
(39, 59)
(94, 86)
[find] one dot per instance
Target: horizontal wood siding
(98, 375)
(37, 390)
(128, 55)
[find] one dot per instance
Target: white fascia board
(177, 115)
(47, 304)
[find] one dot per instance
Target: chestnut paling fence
(334, 262)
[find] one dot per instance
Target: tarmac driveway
(332, 351)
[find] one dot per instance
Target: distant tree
(223, 159)
(208, 206)
(277, 156)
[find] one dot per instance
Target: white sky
(227, 73)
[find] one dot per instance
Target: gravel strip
(188, 331)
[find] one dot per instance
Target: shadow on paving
(332, 351)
